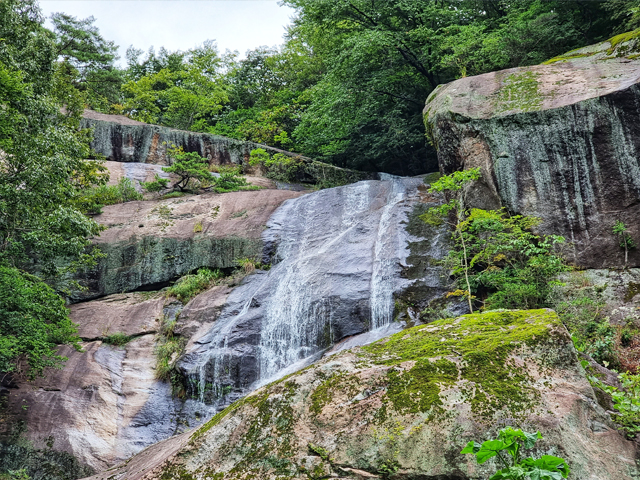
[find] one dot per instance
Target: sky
(181, 24)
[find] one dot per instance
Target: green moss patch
(520, 93)
(474, 352)
(617, 42)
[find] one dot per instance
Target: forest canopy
(349, 82)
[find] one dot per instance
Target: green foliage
(511, 265)
(117, 339)
(626, 401)
(189, 166)
(278, 167)
(34, 322)
(89, 59)
(179, 90)
(496, 256)
(157, 185)
(507, 449)
(626, 242)
(190, 285)
(97, 197)
(43, 176)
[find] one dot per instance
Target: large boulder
(404, 407)
(560, 141)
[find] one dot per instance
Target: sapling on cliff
(626, 242)
(495, 254)
(456, 207)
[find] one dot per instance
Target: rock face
(405, 406)
(107, 404)
(121, 139)
(559, 141)
(150, 243)
(339, 268)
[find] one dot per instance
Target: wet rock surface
(106, 404)
(338, 268)
(408, 403)
(559, 141)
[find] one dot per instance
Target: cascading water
(336, 268)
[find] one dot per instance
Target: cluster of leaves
(278, 166)
(93, 199)
(156, 185)
(507, 449)
(190, 285)
(496, 256)
(43, 234)
(626, 400)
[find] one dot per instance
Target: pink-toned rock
(407, 405)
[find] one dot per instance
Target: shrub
(626, 401)
(507, 449)
(189, 166)
(117, 339)
(157, 185)
(279, 166)
(190, 285)
(97, 197)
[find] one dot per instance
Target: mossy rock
(406, 405)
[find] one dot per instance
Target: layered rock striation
(405, 406)
(560, 141)
(149, 243)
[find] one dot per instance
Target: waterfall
(336, 267)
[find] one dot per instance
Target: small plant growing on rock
(157, 185)
(191, 285)
(189, 166)
(625, 400)
(626, 242)
(507, 449)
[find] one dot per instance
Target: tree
(42, 175)
(495, 255)
(34, 321)
(89, 60)
(177, 90)
(381, 60)
(188, 166)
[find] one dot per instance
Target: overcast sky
(181, 24)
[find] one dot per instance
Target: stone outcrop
(404, 407)
(149, 243)
(560, 141)
(120, 139)
(106, 404)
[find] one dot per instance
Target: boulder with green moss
(404, 407)
(560, 141)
